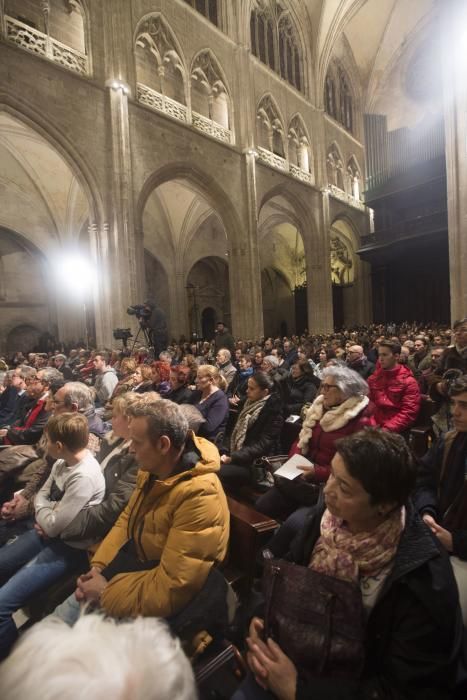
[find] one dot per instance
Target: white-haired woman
(341, 408)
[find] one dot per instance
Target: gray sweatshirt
(67, 491)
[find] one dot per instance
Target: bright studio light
(76, 275)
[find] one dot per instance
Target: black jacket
(262, 437)
(441, 497)
(414, 632)
(301, 391)
(181, 395)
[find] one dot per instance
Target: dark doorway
(208, 323)
(301, 309)
(338, 306)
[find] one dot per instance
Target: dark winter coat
(181, 395)
(414, 632)
(262, 437)
(442, 488)
(300, 391)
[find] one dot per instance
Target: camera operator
(153, 322)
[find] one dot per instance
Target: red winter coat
(321, 448)
(396, 395)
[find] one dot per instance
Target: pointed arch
(210, 93)
(19, 109)
(160, 63)
(335, 166)
(299, 150)
(271, 134)
(355, 177)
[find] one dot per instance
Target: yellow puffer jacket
(182, 522)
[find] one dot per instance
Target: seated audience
(290, 354)
(125, 377)
(101, 657)
(179, 378)
(238, 387)
(142, 379)
(421, 358)
(301, 387)
(369, 534)
(324, 355)
(211, 401)
(394, 391)
(441, 496)
(358, 361)
(28, 429)
(341, 408)
(142, 570)
(30, 465)
(226, 368)
(63, 368)
(106, 377)
(161, 376)
(255, 433)
(38, 557)
(19, 400)
(190, 362)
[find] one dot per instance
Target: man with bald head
(358, 361)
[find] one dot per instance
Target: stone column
(455, 111)
(246, 303)
(179, 322)
(117, 253)
(319, 286)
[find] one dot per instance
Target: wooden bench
(249, 532)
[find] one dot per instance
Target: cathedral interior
(278, 164)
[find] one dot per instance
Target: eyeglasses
(326, 387)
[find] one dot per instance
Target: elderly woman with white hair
(98, 658)
(341, 408)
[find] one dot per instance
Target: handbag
(317, 620)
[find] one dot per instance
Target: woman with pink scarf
(367, 533)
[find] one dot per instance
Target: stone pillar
(246, 303)
(455, 110)
(115, 244)
(179, 322)
(319, 286)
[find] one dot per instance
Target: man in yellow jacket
(159, 553)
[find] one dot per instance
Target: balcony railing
(421, 225)
(41, 44)
(207, 126)
(279, 163)
(345, 197)
(161, 103)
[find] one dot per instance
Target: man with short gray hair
(226, 368)
(140, 569)
(358, 361)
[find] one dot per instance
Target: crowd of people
(116, 468)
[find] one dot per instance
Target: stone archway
(208, 288)
(349, 275)
(46, 203)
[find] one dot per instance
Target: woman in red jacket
(341, 408)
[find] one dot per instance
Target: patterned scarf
(246, 418)
(332, 419)
(348, 556)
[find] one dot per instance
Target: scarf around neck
(247, 416)
(332, 419)
(348, 556)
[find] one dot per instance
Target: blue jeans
(47, 561)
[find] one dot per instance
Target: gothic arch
(299, 149)
(154, 34)
(271, 132)
(204, 183)
(335, 166)
(208, 78)
(355, 177)
(24, 113)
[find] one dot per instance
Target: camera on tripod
(141, 311)
(122, 334)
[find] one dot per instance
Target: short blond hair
(121, 403)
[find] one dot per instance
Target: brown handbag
(317, 620)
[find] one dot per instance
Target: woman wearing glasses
(341, 408)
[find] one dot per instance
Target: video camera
(122, 334)
(141, 311)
